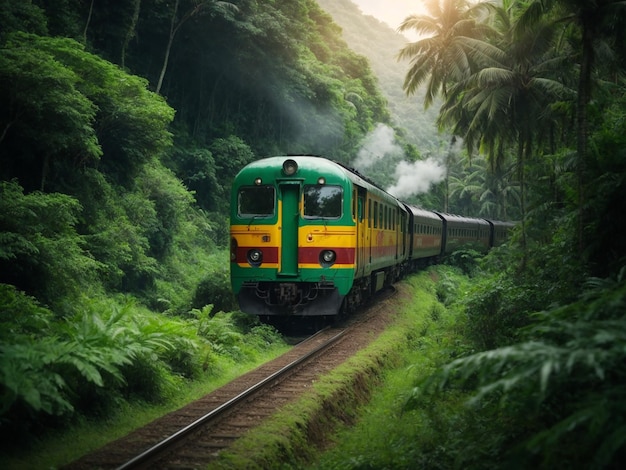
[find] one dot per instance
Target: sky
(392, 12)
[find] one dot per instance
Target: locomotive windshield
(322, 202)
(256, 201)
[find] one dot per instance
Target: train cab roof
(288, 166)
(308, 168)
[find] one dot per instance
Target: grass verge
(292, 438)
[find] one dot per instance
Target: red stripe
(312, 255)
(270, 254)
(305, 255)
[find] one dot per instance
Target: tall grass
(388, 435)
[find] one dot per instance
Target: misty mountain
(378, 42)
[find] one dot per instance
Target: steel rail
(168, 441)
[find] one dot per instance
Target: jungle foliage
(122, 126)
(536, 91)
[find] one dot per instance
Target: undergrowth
(389, 435)
(111, 360)
(549, 396)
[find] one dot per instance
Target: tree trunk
(584, 96)
(5, 130)
(130, 34)
(87, 22)
(522, 182)
(44, 171)
(168, 48)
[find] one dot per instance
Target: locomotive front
(293, 236)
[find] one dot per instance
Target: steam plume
(377, 144)
(410, 178)
(416, 178)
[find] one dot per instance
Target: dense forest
(130, 123)
(122, 125)
(121, 128)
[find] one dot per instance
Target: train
(310, 236)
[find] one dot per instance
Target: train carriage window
(322, 202)
(375, 214)
(256, 201)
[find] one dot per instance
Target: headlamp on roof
(290, 167)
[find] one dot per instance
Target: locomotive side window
(256, 201)
(322, 202)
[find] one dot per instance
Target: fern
(104, 346)
(25, 376)
(571, 363)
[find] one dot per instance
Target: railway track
(194, 435)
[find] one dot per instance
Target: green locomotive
(311, 237)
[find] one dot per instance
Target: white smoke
(416, 178)
(378, 143)
(411, 178)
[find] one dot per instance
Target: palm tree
(441, 57)
(596, 20)
(475, 191)
(507, 100)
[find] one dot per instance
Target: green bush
(556, 399)
(85, 363)
(215, 289)
(40, 249)
(495, 308)
(447, 286)
(466, 260)
(234, 335)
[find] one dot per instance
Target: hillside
(380, 44)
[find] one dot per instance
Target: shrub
(466, 260)
(40, 250)
(215, 289)
(558, 394)
(86, 362)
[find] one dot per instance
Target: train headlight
(290, 167)
(328, 258)
(255, 257)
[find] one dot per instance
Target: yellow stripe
(337, 237)
(317, 266)
(254, 235)
(263, 266)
